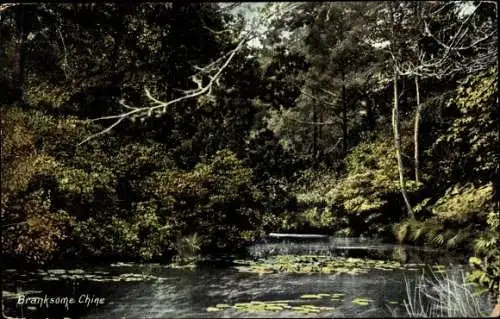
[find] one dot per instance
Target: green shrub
(456, 218)
(372, 179)
(217, 199)
(487, 268)
(32, 230)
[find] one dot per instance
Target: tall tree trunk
(370, 114)
(315, 135)
(397, 144)
(344, 116)
(320, 137)
(417, 128)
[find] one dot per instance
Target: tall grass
(447, 295)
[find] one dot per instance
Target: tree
(206, 79)
(334, 88)
(471, 48)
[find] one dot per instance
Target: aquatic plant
(448, 295)
(362, 301)
(187, 248)
(272, 306)
(93, 276)
(319, 264)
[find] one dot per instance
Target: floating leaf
(220, 305)
(310, 297)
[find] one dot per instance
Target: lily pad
(274, 308)
(76, 271)
(310, 297)
(326, 308)
(122, 264)
(362, 301)
(56, 271)
(439, 267)
(222, 305)
(314, 264)
(50, 278)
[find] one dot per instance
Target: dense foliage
(296, 135)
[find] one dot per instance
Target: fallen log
(279, 235)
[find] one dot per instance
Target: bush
(456, 218)
(217, 200)
(32, 230)
(487, 270)
(372, 180)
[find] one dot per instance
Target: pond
(331, 277)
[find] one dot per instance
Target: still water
(154, 291)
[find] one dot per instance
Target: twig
(5, 6)
(65, 63)
(317, 98)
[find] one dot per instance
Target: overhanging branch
(213, 71)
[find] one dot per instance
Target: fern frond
(401, 230)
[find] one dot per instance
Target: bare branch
(5, 6)
(442, 8)
(216, 32)
(317, 98)
(480, 38)
(65, 63)
(103, 131)
(159, 107)
(213, 71)
(122, 102)
(334, 146)
(452, 61)
(230, 6)
(329, 92)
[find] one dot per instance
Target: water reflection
(351, 247)
(188, 293)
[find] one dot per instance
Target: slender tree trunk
(370, 114)
(320, 136)
(397, 144)
(417, 128)
(395, 111)
(344, 116)
(315, 134)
